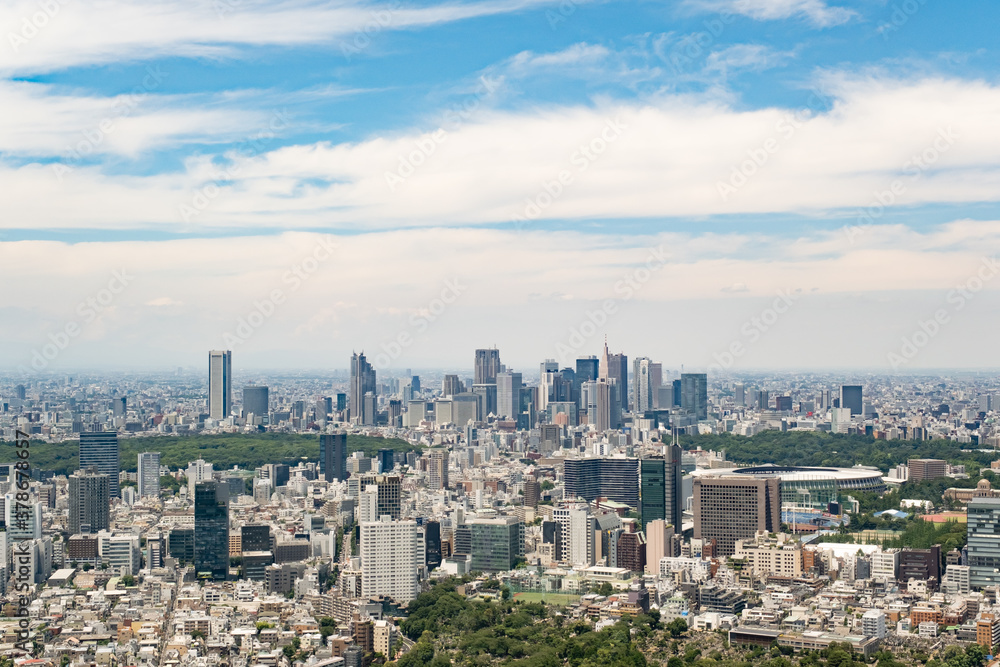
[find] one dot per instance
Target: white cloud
(883, 284)
(42, 120)
(817, 12)
(755, 57)
(84, 32)
(679, 157)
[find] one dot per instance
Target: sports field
(549, 598)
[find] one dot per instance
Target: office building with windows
(220, 384)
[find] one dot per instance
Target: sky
(715, 184)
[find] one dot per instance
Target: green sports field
(548, 598)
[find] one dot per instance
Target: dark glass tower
(100, 450)
(660, 486)
(211, 530)
(333, 456)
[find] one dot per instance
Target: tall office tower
(656, 381)
(437, 469)
(452, 385)
(694, 394)
(100, 450)
(119, 406)
(386, 461)
(850, 397)
(763, 399)
(277, 474)
(415, 384)
(577, 535)
(149, 474)
(389, 497)
(256, 401)
(20, 392)
(659, 544)
(612, 478)
(333, 456)
(432, 544)
(497, 544)
(660, 482)
(197, 471)
(598, 398)
(362, 384)
(532, 492)
(677, 393)
(741, 398)
(89, 505)
(983, 532)
(341, 402)
(587, 369)
(487, 395)
(509, 395)
(643, 387)
(211, 530)
(735, 507)
(220, 384)
(487, 366)
(23, 518)
(389, 559)
(615, 367)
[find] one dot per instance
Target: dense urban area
(613, 512)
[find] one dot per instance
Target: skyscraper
(487, 366)
(389, 559)
(386, 461)
(615, 367)
(509, 395)
(451, 385)
(255, 401)
(220, 383)
(851, 397)
(149, 474)
(660, 481)
(644, 385)
(983, 532)
(211, 530)
(437, 469)
(388, 495)
(100, 450)
(362, 384)
(333, 456)
(694, 394)
(88, 501)
(735, 507)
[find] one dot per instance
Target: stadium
(810, 487)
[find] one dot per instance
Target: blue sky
(207, 144)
